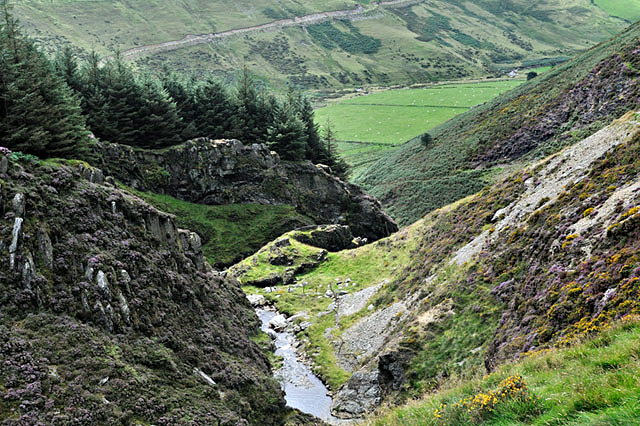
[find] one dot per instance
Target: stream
(303, 390)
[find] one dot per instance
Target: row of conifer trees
(49, 107)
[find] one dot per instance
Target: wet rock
(46, 248)
(124, 308)
(28, 271)
(19, 203)
(103, 285)
(256, 300)
(4, 165)
(359, 396)
(278, 323)
(207, 379)
(16, 235)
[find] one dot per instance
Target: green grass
(229, 232)
(625, 9)
(593, 383)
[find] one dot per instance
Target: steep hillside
(239, 182)
(540, 259)
(535, 119)
(109, 313)
(383, 43)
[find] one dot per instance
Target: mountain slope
(536, 119)
(109, 313)
(540, 259)
(392, 43)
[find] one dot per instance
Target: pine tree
(158, 122)
(245, 126)
(286, 134)
(332, 157)
(182, 91)
(213, 110)
(39, 114)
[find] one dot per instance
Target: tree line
(52, 108)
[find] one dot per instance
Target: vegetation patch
(229, 232)
(593, 383)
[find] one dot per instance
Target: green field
(368, 125)
(625, 9)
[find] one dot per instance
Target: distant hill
(397, 43)
(538, 118)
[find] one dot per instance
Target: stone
(28, 271)
(256, 300)
(19, 203)
(208, 380)
(16, 235)
(329, 237)
(278, 323)
(4, 165)
(46, 248)
(124, 308)
(103, 285)
(359, 396)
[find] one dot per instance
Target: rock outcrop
(109, 313)
(218, 172)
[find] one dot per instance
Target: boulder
(359, 396)
(256, 300)
(329, 237)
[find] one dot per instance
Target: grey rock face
(359, 396)
(4, 164)
(19, 203)
(329, 237)
(15, 240)
(212, 172)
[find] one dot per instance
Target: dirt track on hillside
(193, 40)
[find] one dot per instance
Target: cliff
(227, 172)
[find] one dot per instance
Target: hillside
(533, 120)
(397, 42)
(109, 313)
(540, 259)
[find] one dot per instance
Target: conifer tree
(159, 123)
(332, 157)
(246, 127)
(38, 112)
(286, 134)
(213, 110)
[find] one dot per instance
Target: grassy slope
(412, 180)
(229, 232)
(415, 45)
(593, 383)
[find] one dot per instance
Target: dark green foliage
(426, 140)
(38, 113)
(531, 75)
(286, 134)
(329, 37)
